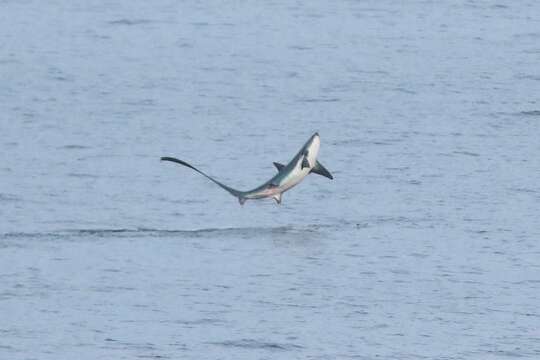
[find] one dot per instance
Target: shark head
(311, 149)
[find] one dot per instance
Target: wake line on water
(146, 232)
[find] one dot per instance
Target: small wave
(129, 22)
(83, 175)
(363, 142)
(74, 147)
(300, 47)
(257, 344)
(197, 322)
(467, 153)
(530, 113)
(527, 77)
(528, 35)
(8, 197)
(8, 61)
(404, 90)
(505, 353)
(523, 190)
(318, 100)
(140, 102)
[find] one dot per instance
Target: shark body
(302, 164)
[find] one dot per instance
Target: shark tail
(230, 190)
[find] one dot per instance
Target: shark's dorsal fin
(321, 170)
(279, 166)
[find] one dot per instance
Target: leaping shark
(304, 163)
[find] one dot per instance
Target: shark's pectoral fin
(305, 163)
(277, 197)
(321, 170)
(279, 166)
(242, 200)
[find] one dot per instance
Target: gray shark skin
(302, 164)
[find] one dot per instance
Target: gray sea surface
(424, 246)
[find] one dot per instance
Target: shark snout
(314, 138)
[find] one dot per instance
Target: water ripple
(258, 344)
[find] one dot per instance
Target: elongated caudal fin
(230, 190)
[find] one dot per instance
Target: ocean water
(424, 246)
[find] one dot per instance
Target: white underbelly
(296, 177)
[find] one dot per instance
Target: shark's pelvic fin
(279, 166)
(321, 170)
(305, 163)
(277, 197)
